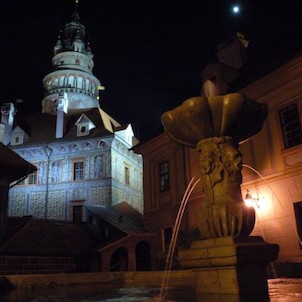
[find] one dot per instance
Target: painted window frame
(75, 170)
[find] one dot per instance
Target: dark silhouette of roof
(47, 238)
(119, 216)
(12, 166)
(127, 210)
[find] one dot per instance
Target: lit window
(290, 125)
(164, 176)
(77, 213)
(78, 170)
(127, 176)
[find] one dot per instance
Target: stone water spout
(215, 126)
(225, 259)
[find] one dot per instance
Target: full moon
(235, 9)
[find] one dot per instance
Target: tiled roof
(116, 219)
(11, 226)
(41, 127)
(50, 238)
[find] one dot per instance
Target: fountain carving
(225, 256)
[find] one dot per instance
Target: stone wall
(16, 265)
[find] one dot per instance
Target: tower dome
(73, 65)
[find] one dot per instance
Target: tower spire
(76, 5)
(75, 15)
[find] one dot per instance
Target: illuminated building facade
(272, 175)
(82, 154)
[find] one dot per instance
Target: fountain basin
(199, 118)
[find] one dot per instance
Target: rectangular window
(78, 170)
(290, 125)
(82, 129)
(127, 176)
(77, 213)
(32, 178)
(17, 140)
(166, 238)
(298, 216)
(164, 176)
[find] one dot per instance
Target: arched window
(119, 260)
(80, 83)
(61, 81)
(71, 81)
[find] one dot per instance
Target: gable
(18, 136)
(126, 134)
(84, 125)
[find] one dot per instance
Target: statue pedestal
(230, 265)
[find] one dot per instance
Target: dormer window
(17, 140)
(84, 129)
(84, 125)
(18, 137)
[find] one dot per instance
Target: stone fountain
(226, 259)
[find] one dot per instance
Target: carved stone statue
(215, 126)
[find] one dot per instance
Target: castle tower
(7, 119)
(73, 64)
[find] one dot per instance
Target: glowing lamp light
(251, 201)
(248, 200)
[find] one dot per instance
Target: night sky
(148, 54)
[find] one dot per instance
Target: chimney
(62, 106)
(7, 121)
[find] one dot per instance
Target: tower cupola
(73, 65)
